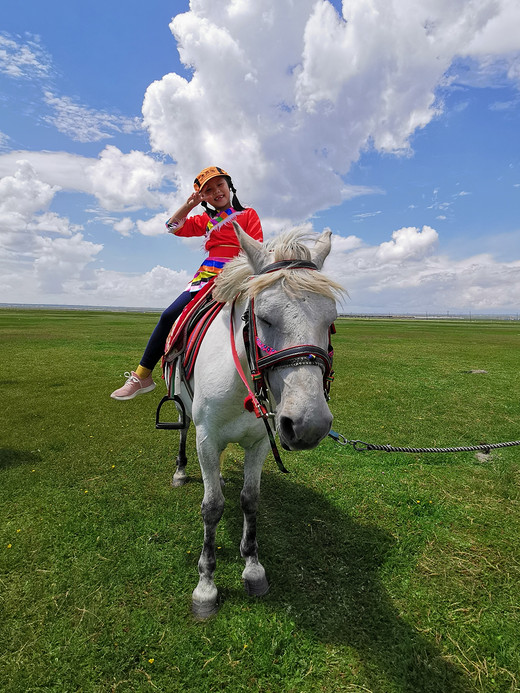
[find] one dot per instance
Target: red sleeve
(193, 226)
(252, 227)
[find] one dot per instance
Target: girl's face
(216, 192)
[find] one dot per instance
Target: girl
(213, 186)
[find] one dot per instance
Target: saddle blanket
(188, 331)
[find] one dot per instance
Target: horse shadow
(13, 458)
(324, 570)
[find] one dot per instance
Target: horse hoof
(256, 588)
(203, 610)
(176, 483)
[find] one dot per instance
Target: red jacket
(222, 241)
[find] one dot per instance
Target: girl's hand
(178, 218)
(194, 199)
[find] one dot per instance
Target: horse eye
(264, 322)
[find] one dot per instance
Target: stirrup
(171, 425)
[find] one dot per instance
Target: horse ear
(321, 249)
(256, 253)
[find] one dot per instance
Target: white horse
(294, 307)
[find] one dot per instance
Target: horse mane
(238, 278)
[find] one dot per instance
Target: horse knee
(212, 510)
(249, 501)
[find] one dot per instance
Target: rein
(301, 355)
(252, 400)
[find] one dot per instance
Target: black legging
(155, 347)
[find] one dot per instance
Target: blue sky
(393, 124)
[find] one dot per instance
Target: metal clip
(356, 444)
(338, 437)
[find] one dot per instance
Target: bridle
(300, 355)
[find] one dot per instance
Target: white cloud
(405, 275)
(28, 256)
(26, 59)
(21, 196)
(50, 222)
(62, 169)
(61, 260)
(84, 124)
(4, 140)
(119, 181)
(23, 59)
(127, 181)
(154, 289)
(154, 226)
(492, 57)
(124, 226)
(294, 116)
(340, 244)
(365, 215)
(500, 34)
(255, 130)
(407, 243)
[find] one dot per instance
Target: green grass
(388, 572)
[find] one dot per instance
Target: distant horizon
(425, 315)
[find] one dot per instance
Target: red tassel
(249, 404)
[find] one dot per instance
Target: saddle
(188, 331)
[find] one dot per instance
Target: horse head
(294, 308)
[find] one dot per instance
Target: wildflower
(9, 546)
(151, 660)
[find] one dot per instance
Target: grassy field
(401, 572)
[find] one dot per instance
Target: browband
(288, 264)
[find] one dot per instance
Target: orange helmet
(206, 174)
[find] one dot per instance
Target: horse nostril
(287, 429)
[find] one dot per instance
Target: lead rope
(258, 407)
(361, 446)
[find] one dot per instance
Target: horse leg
(204, 598)
(180, 478)
(255, 581)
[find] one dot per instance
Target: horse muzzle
(303, 433)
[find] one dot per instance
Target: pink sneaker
(134, 386)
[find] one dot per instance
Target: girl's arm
(176, 221)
